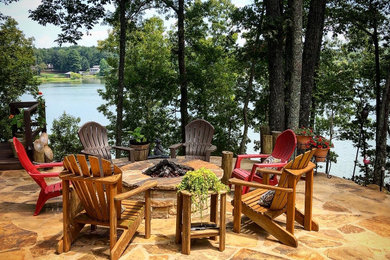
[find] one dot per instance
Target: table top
(133, 176)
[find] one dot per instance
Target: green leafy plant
(305, 131)
(64, 139)
(137, 135)
(199, 183)
(17, 119)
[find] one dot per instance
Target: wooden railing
(31, 128)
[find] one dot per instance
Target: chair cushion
(269, 159)
(266, 198)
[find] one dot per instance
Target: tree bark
(295, 66)
(310, 57)
(275, 65)
(382, 126)
(182, 70)
(121, 71)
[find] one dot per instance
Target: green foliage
(16, 77)
(74, 75)
(137, 135)
(305, 131)
(199, 183)
(64, 139)
(17, 119)
(74, 58)
(150, 92)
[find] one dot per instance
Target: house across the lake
(94, 70)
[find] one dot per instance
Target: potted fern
(200, 183)
(140, 144)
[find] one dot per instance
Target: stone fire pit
(164, 194)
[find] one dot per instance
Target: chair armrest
(209, 150)
(45, 175)
(212, 148)
(146, 186)
(173, 149)
(262, 165)
(239, 182)
(269, 171)
(128, 149)
(49, 165)
(123, 148)
(242, 156)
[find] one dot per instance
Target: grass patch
(60, 78)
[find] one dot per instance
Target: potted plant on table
(199, 183)
(322, 144)
(303, 134)
(140, 144)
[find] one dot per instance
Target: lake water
(82, 100)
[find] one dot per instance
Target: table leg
(179, 217)
(186, 228)
(222, 227)
(214, 211)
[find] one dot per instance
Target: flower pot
(321, 154)
(141, 150)
(302, 140)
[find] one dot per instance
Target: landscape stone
(252, 254)
(13, 237)
(357, 253)
(315, 242)
(332, 206)
(378, 224)
(348, 229)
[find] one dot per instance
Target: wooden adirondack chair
(101, 198)
(199, 134)
(93, 137)
(284, 148)
(283, 201)
(47, 191)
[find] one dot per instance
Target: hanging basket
(320, 154)
(302, 140)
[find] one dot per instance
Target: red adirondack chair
(284, 148)
(47, 191)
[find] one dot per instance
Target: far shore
(51, 77)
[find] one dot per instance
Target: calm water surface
(81, 100)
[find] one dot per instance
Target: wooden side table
(183, 221)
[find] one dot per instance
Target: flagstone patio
(354, 224)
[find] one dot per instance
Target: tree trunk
(295, 66)
(310, 57)
(121, 70)
(382, 126)
(275, 65)
(182, 71)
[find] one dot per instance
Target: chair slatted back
(199, 134)
(92, 188)
(27, 164)
(93, 137)
(301, 163)
(285, 145)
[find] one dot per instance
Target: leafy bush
(64, 139)
(199, 183)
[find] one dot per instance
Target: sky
(45, 36)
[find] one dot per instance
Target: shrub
(64, 139)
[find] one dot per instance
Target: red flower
(319, 146)
(39, 93)
(11, 116)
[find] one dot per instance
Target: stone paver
(354, 223)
